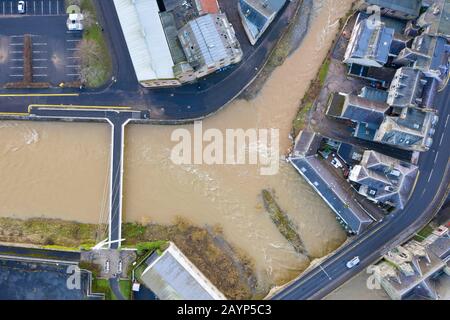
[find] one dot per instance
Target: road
(188, 102)
(429, 194)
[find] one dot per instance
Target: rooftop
(172, 276)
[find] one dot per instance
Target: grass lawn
(102, 286)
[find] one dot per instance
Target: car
(354, 262)
(21, 7)
(336, 163)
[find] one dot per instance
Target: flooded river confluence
(60, 170)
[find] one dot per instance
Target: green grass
(424, 233)
(323, 72)
(125, 288)
(102, 286)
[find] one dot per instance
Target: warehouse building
(176, 43)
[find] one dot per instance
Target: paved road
(182, 103)
(428, 196)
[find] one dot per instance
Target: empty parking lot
(55, 56)
(33, 7)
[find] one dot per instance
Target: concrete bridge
(117, 118)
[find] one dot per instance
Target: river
(59, 170)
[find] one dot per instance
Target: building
(146, 42)
(410, 271)
(174, 42)
(400, 9)
(171, 276)
(257, 15)
(407, 89)
(207, 6)
(429, 54)
(330, 187)
(384, 180)
(369, 44)
(209, 44)
(436, 20)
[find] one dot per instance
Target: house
(257, 15)
(428, 53)
(400, 9)
(171, 276)
(383, 179)
(436, 20)
(407, 88)
(367, 115)
(369, 44)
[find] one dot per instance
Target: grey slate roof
(407, 88)
(391, 179)
(372, 42)
(411, 7)
(352, 215)
(258, 14)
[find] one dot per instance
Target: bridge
(117, 118)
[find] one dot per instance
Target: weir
(117, 119)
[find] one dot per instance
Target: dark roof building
(401, 9)
(369, 44)
(436, 20)
(357, 109)
(407, 88)
(257, 15)
(383, 179)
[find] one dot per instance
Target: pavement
(429, 195)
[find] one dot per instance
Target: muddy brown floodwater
(60, 170)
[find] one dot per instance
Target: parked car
(336, 163)
(21, 7)
(354, 262)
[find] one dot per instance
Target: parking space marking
(16, 59)
(40, 59)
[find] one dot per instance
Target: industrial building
(177, 42)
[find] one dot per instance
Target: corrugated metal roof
(145, 39)
(173, 277)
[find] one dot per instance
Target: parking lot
(55, 51)
(33, 7)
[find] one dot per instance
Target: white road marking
(16, 59)
(39, 75)
(42, 7)
(73, 66)
(4, 9)
(73, 74)
(431, 173)
(57, 7)
(34, 7)
(39, 60)
(442, 139)
(446, 122)
(16, 67)
(16, 75)
(50, 7)
(40, 67)
(16, 44)
(15, 52)
(39, 44)
(11, 7)
(73, 58)
(40, 51)
(435, 158)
